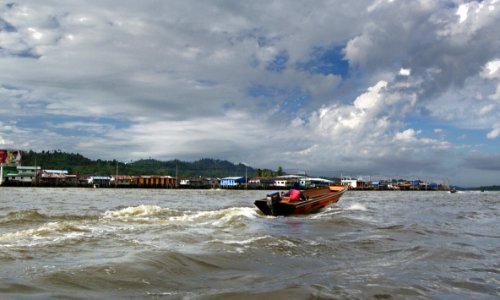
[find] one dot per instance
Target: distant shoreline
(229, 188)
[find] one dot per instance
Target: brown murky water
(209, 244)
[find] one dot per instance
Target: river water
(213, 244)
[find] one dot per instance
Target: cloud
(495, 132)
(483, 161)
(462, 12)
(491, 69)
(405, 72)
(365, 134)
(475, 104)
(358, 86)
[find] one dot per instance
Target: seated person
(295, 194)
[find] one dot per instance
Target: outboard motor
(273, 200)
(273, 196)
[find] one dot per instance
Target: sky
(378, 88)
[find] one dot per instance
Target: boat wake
(21, 217)
(156, 227)
(29, 228)
(48, 234)
(356, 206)
(140, 214)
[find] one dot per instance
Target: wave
(151, 214)
(52, 229)
(64, 227)
(245, 241)
(356, 206)
(137, 211)
(23, 216)
(140, 214)
(223, 217)
(34, 216)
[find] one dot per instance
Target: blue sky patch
(295, 101)
(289, 101)
(327, 61)
(259, 90)
(27, 53)
(279, 62)
(455, 135)
(8, 86)
(73, 126)
(6, 26)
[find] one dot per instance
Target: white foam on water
(283, 243)
(139, 214)
(356, 206)
(136, 211)
(152, 213)
(216, 217)
(242, 242)
(231, 214)
(48, 232)
(328, 211)
(239, 246)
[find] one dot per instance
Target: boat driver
(295, 195)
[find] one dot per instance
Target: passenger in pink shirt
(295, 195)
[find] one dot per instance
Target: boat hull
(318, 198)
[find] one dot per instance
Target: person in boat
(295, 194)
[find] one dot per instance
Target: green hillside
(77, 164)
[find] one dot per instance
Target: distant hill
(204, 167)
(77, 164)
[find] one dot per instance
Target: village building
(196, 182)
(154, 181)
(261, 182)
(122, 180)
(57, 178)
(99, 181)
(286, 181)
(232, 181)
(309, 182)
(23, 175)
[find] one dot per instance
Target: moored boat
(316, 199)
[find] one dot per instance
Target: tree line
(76, 163)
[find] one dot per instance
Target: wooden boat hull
(317, 198)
